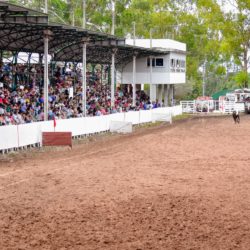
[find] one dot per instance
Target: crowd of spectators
(22, 99)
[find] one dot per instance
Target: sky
(228, 5)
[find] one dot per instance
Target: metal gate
(225, 107)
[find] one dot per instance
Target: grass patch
(148, 124)
(181, 117)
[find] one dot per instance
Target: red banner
(57, 139)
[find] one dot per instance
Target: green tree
(236, 36)
(213, 35)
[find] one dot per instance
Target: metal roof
(22, 29)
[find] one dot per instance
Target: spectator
(22, 98)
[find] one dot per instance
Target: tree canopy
(217, 32)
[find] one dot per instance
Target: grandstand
(29, 31)
(44, 90)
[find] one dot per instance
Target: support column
(172, 95)
(15, 59)
(134, 80)
(152, 86)
(93, 69)
(109, 75)
(29, 57)
(84, 88)
(46, 76)
(165, 95)
(40, 72)
(113, 78)
(153, 92)
(1, 56)
(52, 64)
(160, 91)
(128, 88)
(101, 74)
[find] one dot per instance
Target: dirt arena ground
(185, 186)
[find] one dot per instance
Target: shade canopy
(223, 92)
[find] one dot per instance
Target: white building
(167, 70)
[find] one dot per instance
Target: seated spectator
(22, 98)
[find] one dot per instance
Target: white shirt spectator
(1, 111)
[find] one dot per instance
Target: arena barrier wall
(20, 136)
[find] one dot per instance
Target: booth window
(177, 65)
(153, 62)
(159, 62)
(172, 63)
(156, 62)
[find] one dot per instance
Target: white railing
(16, 136)
(229, 106)
(211, 106)
(188, 106)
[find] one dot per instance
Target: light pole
(84, 84)
(47, 34)
(84, 14)
(152, 86)
(113, 18)
(134, 33)
(203, 78)
(134, 78)
(114, 50)
(46, 7)
(150, 34)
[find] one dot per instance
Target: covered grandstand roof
(22, 29)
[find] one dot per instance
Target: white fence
(188, 106)
(211, 106)
(15, 136)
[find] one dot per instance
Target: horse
(236, 117)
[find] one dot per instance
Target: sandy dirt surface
(185, 186)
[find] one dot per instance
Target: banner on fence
(57, 139)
